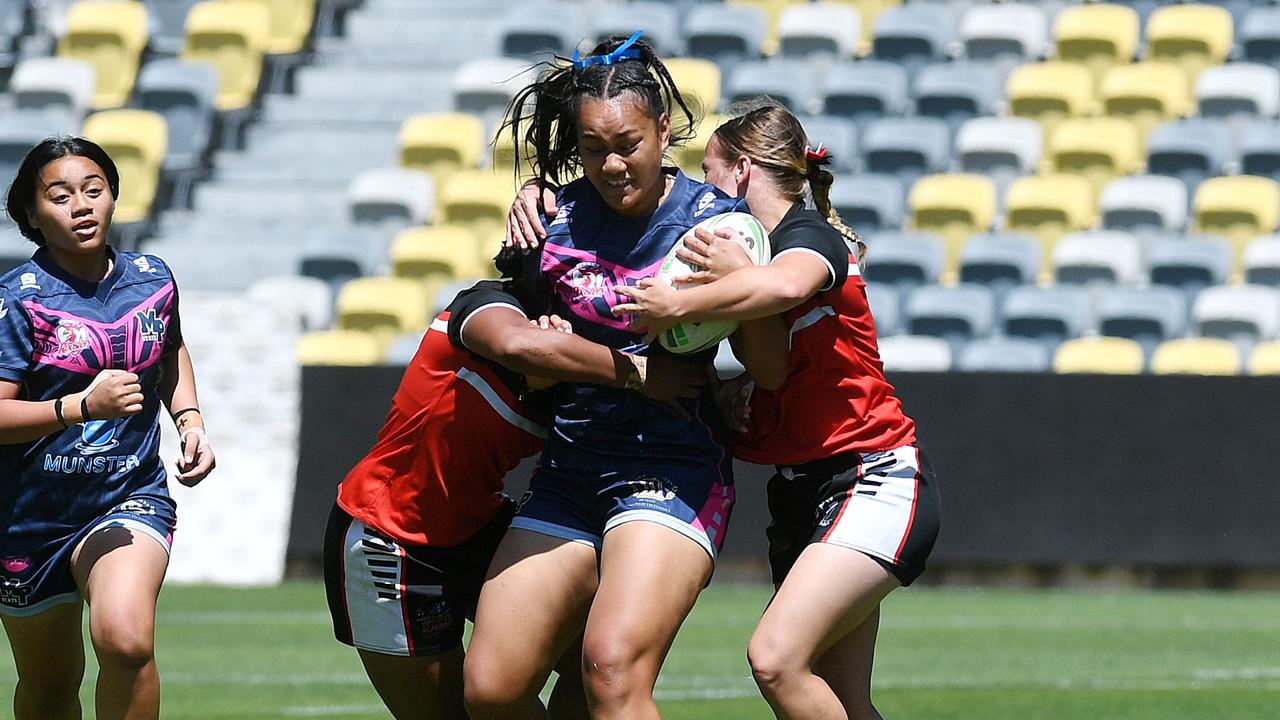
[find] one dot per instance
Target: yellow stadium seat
(290, 24)
(1196, 356)
(1050, 93)
(699, 83)
(504, 157)
(1097, 149)
(478, 199)
(1099, 356)
(773, 10)
(110, 36)
(232, 36)
(339, 347)
(1098, 37)
(869, 10)
(137, 141)
(383, 306)
(688, 157)
(441, 143)
(1192, 37)
(1146, 94)
(954, 207)
(1048, 207)
(442, 252)
(1238, 208)
(1265, 359)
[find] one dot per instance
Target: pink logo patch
(16, 564)
(587, 281)
(73, 337)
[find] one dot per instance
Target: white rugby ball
(691, 337)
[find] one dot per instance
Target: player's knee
(611, 669)
(125, 643)
(769, 659)
(487, 692)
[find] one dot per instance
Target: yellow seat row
(1184, 356)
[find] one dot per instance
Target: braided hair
(544, 115)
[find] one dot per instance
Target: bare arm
(111, 394)
(178, 393)
(763, 347)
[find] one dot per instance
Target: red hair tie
(820, 156)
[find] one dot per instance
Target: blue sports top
(57, 332)
(589, 249)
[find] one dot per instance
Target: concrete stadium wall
(1038, 470)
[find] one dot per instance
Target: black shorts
(883, 504)
(404, 599)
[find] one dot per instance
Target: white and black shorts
(398, 599)
(883, 504)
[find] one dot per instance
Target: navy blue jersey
(57, 332)
(588, 251)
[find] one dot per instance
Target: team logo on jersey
(144, 265)
(562, 216)
(587, 281)
(704, 203)
(72, 337)
(150, 325)
(28, 281)
(97, 437)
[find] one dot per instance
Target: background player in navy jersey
(417, 521)
(630, 502)
(90, 348)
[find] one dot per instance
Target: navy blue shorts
(35, 573)
(584, 506)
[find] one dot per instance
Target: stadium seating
(477, 198)
(906, 147)
(403, 347)
(1190, 150)
(339, 347)
(110, 36)
(1243, 315)
(904, 260)
(485, 86)
(59, 86)
(1196, 356)
(441, 143)
(1003, 354)
(533, 30)
(864, 91)
(1006, 32)
(137, 141)
(1099, 356)
(1260, 151)
(12, 22)
(1002, 148)
(393, 197)
(1238, 90)
(1050, 93)
(184, 94)
(1097, 37)
(1048, 207)
(869, 202)
(773, 10)
(1237, 208)
(1189, 265)
(1102, 256)
(1146, 94)
(869, 11)
(382, 306)
(840, 137)
(1001, 261)
(956, 314)
(1260, 36)
(688, 157)
(660, 20)
(1147, 316)
(824, 31)
(886, 307)
(168, 19)
(787, 81)
(1144, 204)
(291, 22)
(1192, 36)
(1265, 359)
(434, 253)
(956, 92)
(309, 299)
(910, 353)
(725, 34)
(19, 132)
(1262, 261)
(1097, 149)
(914, 35)
(698, 81)
(954, 207)
(1049, 315)
(233, 37)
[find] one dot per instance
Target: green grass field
(943, 653)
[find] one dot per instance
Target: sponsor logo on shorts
(137, 507)
(434, 617)
(14, 592)
(654, 489)
(828, 510)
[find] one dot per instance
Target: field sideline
(943, 653)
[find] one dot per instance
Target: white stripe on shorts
(373, 580)
(877, 518)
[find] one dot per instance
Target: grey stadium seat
(1190, 150)
(787, 81)
(168, 20)
(724, 34)
(1244, 314)
(839, 135)
(403, 347)
(1189, 264)
(183, 93)
(52, 83)
(957, 314)
(537, 29)
(485, 86)
(1004, 354)
(1144, 203)
(1049, 315)
(12, 20)
(956, 92)
(823, 32)
(393, 197)
(1001, 260)
(864, 91)
(904, 259)
(22, 130)
(1148, 316)
(886, 307)
(1238, 90)
(206, 266)
(1259, 36)
(1260, 150)
(912, 353)
(660, 20)
(1001, 147)
(309, 299)
(1007, 32)
(1262, 261)
(914, 35)
(869, 202)
(1108, 257)
(906, 148)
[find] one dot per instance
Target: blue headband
(625, 51)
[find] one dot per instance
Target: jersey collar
(98, 290)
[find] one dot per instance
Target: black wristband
(84, 409)
(57, 410)
(184, 411)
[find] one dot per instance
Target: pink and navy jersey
(57, 332)
(589, 250)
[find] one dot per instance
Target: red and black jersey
(835, 398)
(455, 429)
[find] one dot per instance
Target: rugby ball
(692, 337)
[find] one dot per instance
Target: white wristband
(196, 430)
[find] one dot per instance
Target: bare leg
(568, 699)
(847, 668)
(650, 576)
(49, 653)
(829, 593)
(119, 572)
(427, 688)
(531, 609)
